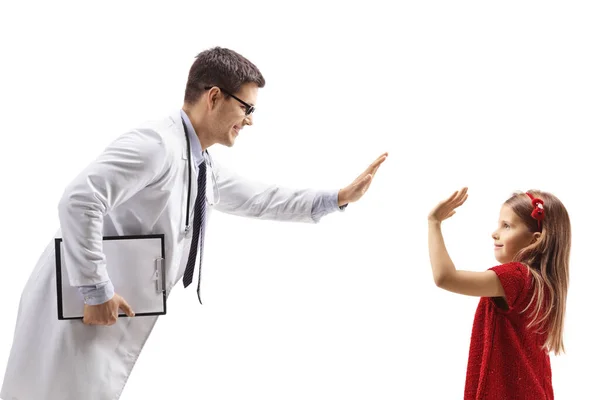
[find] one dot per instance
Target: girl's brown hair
(548, 261)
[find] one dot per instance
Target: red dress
(506, 361)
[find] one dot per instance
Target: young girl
(521, 313)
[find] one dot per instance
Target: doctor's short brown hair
(223, 68)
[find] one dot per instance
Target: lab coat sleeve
(248, 198)
(126, 166)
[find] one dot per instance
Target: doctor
(159, 178)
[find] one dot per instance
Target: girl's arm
(445, 275)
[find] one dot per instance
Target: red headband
(538, 209)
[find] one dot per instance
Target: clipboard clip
(159, 274)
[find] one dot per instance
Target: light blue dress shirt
(324, 203)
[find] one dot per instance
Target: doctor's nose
(248, 120)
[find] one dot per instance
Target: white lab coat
(138, 185)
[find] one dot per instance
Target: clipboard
(136, 267)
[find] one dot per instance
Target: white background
(497, 96)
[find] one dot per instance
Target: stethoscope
(209, 165)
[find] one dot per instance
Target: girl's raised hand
(445, 209)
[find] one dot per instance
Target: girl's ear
(536, 237)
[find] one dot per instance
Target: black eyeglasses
(249, 108)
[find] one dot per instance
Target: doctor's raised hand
(360, 185)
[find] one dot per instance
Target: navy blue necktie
(199, 215)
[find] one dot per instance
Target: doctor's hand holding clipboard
(106, 313)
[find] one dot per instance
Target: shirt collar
(197, 152)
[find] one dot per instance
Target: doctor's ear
(212, 96)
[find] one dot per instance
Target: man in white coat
(139, 185)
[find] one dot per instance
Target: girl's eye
(505, 226)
